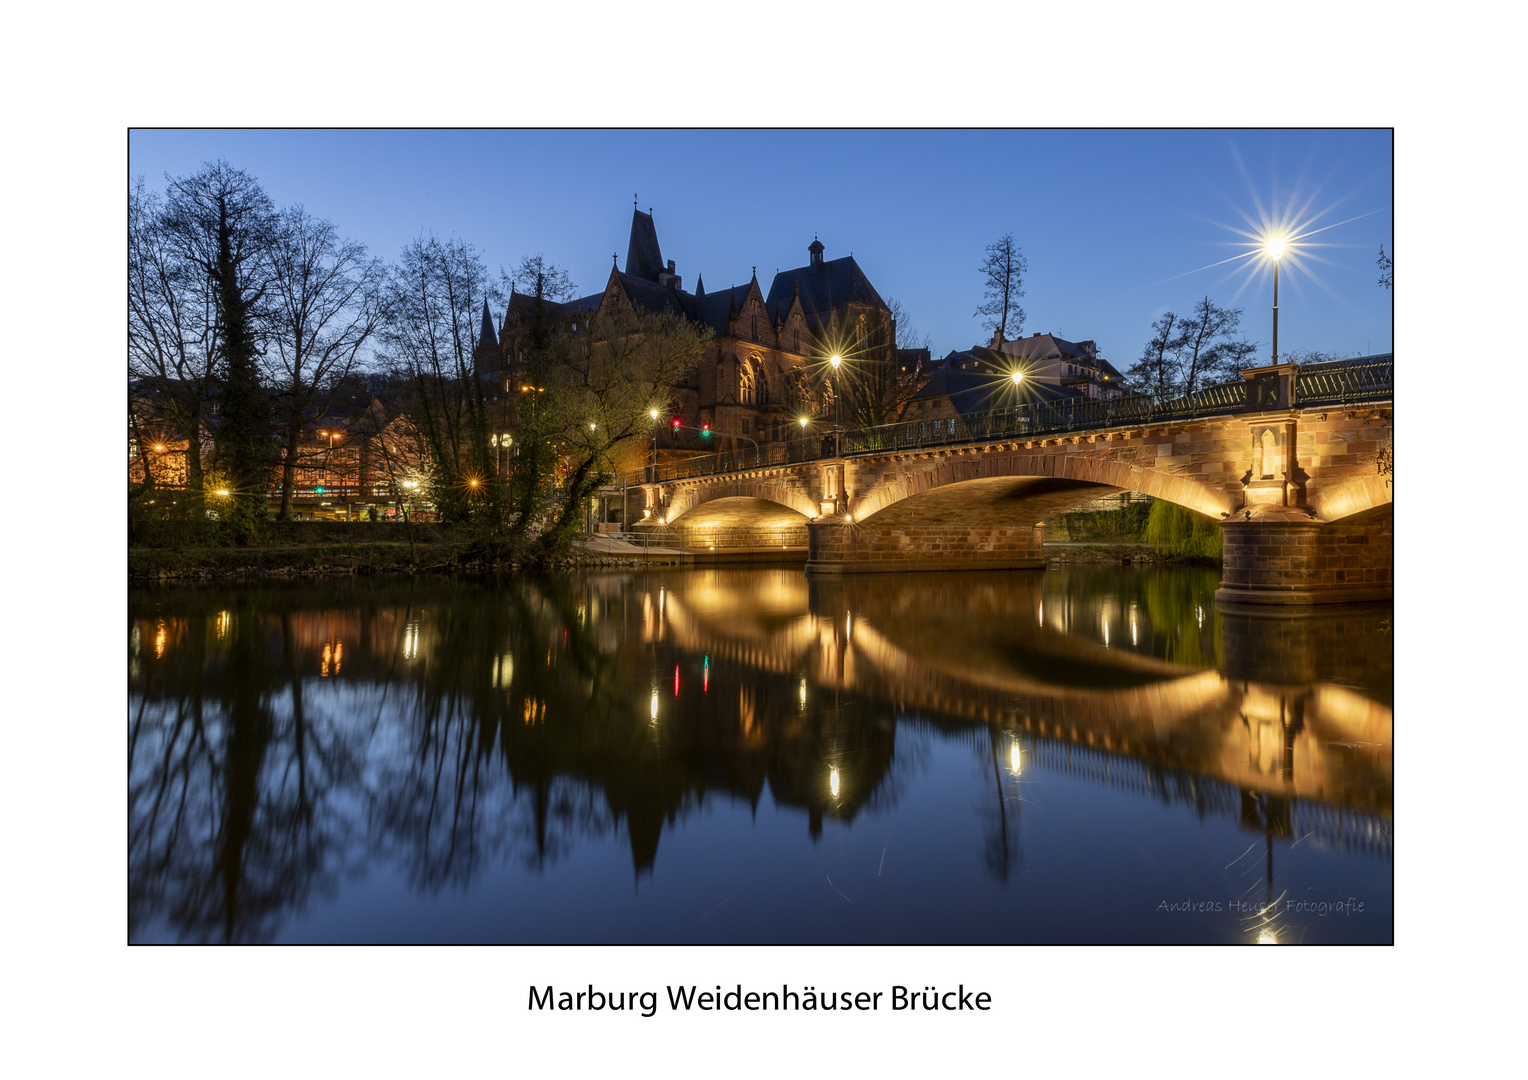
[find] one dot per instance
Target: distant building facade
(1055, 361)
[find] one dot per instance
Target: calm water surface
(750, 755)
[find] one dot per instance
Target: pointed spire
(488, 337)
(644, 259)
(700, 285)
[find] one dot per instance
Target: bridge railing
(1043, 418)
(1314, 384)
(1344, 383)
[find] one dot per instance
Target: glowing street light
(835, 360)
(1017, 377)
(1274, 247)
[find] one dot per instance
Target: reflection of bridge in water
(1315, 756)
(489, 722)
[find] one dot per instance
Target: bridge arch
(1351, 497)
(1054, 483)
(749, 501)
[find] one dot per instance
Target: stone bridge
(1301, 489)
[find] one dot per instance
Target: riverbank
(285, 561)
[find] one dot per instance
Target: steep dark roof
(652, 296)
(643, 258)
(1039, 346)
(488, 338)
(712, 310)
(824, 287)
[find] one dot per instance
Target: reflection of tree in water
(533, 716)
(232, 786)
(527, 736)
(1181, 612)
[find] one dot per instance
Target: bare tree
(433, 299)
(1004, 268)
(1385, 264)
(172, 338)
(543, 280)
(1187, 354)
(326, 306)
(1210, 349)
(219, 221)
(1155, 373)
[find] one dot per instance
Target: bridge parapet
(1303, 493)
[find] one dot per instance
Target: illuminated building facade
(764, 366)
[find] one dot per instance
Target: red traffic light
(674, 423)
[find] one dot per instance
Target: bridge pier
(838, 546)
(1280, 556)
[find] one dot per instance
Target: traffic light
(674, 423)
(705, 430)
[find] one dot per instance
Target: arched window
(747, 383)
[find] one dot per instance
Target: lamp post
(1275, 250)
(835, 360)
(654, 414)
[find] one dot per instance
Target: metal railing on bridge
(1345, 382)
(1020, 421)
(1338, 383)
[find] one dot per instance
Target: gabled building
(763, 367)
(971, 383)
(1076, 365)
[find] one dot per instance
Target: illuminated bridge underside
(1301, 495)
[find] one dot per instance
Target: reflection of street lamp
(1274, 249)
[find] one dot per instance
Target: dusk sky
(1117, 226)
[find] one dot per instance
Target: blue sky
(1117, 226)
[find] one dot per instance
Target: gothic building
(765, 365)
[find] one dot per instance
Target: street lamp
(1274, 249)
(835, 360)
(654, 414)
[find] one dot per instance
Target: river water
(752, 755)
